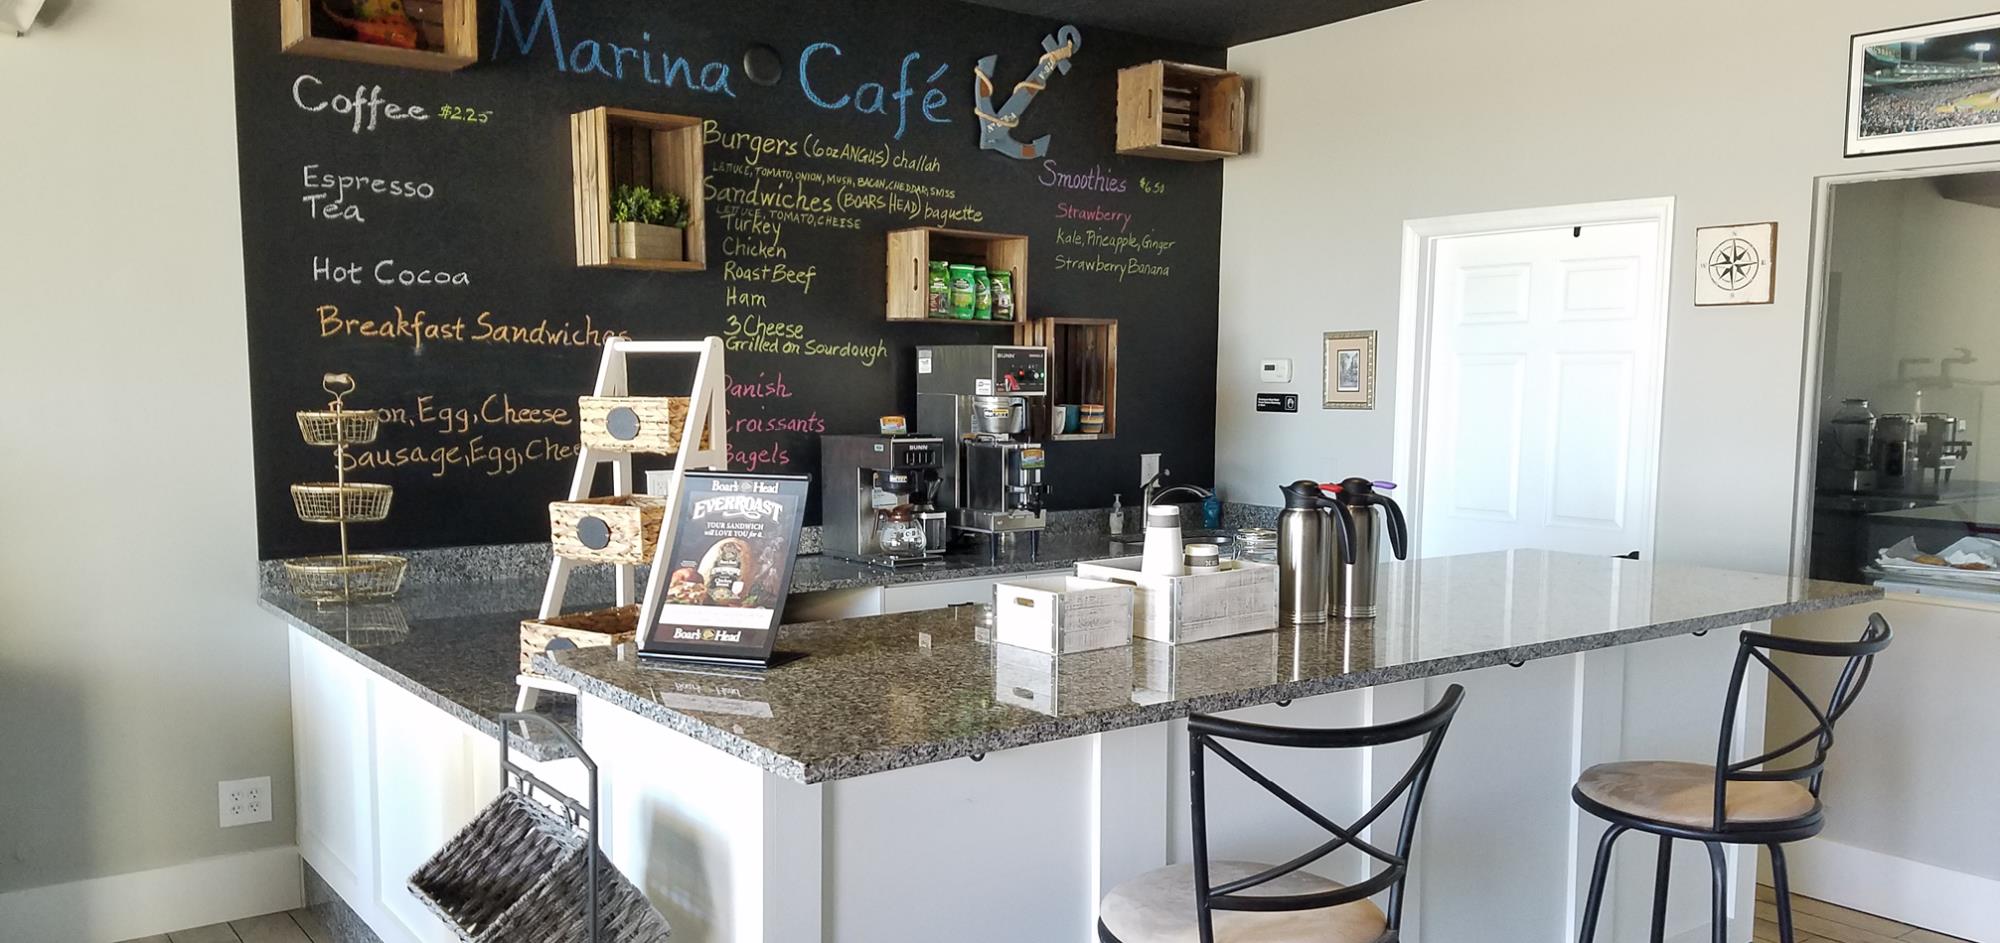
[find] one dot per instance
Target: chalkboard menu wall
(434, 257)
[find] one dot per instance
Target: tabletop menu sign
(735, 541)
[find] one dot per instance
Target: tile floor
(1812, 922)
(298, 926)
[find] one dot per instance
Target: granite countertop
(887, 692)
(1057, 551)
(456, 643)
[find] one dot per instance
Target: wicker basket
(515, 873)
(346, 427)
(362, 576)
(596, 629)
(324, 502)
(650, 424)
(619, 529)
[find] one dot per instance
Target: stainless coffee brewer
(1307, 530)
(976, 398)
(873, 505)
(1352, 588)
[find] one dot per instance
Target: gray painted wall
(135, 671)
(1460, 106)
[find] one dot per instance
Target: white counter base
(1022, 844)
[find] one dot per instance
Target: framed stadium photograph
(1926, 86)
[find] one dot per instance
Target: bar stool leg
(1782, 889)
(1660, 889)
(1720, 896)
(1597, 874)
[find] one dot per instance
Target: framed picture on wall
(1734, 264)
(1926, 86)
(1349, 380)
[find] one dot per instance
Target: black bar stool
(1729, 803)
(1179, 902)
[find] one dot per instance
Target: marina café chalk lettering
(655, 66)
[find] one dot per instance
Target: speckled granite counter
(456, 644)
(887, 692)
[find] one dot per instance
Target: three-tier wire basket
(345, 576)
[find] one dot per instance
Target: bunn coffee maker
(976, 398)
(872, 505)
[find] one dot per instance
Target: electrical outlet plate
(1149, 465)
(244, 801)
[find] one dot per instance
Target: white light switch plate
(1275, 371)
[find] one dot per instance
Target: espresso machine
(876, 498)
(976, 398)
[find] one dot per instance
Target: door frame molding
(1818, 278)
(1417, 308)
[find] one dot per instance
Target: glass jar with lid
(1257, 544)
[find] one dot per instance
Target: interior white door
(1542, 391)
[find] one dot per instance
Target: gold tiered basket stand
(347, 576)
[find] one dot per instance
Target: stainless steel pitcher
(1352, 581)
(1306, 551)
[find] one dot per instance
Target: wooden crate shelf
(447, 34)
(1083, 368)
(910, 255)
(1177, 111)
(612, 147)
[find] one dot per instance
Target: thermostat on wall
(1275, 371)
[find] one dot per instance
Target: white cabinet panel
(330, 749)
(424, 786)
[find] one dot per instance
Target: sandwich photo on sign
(730, 565)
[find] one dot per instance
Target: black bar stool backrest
(1860, 655)
(1204, 736)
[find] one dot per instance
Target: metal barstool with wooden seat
(1729, 803)
(1264, 903)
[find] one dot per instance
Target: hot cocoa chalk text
(528, 28)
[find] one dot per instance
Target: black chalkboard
(491, 333)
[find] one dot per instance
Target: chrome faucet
(1153, 495)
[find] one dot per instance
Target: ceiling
(1208, 22)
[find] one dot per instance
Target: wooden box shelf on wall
(910, 255)
(448, 31)
(611, 147)
(1179, 112)
(1083, 368)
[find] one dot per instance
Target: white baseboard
(1923, 895)
(143, 903)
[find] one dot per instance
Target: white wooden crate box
(1242, 598)
(1062, 614)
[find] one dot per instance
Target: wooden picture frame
(1347, 379)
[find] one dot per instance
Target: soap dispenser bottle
(1116, 525)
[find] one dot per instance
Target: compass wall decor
(1733, 264)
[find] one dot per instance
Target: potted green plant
(647, 225)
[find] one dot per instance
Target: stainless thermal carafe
(1353, 579)
(1305, 549)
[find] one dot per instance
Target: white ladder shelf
(707, 417)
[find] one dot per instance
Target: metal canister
(1351, 579)
(1306, 529)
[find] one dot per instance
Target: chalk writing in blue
(868, 97)
(608, 59)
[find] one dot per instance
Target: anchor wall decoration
(996, 127)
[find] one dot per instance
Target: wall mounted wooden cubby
(1083, 368)
(612, 147)
(910, 255)
(446, 34)
(1178, 111)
